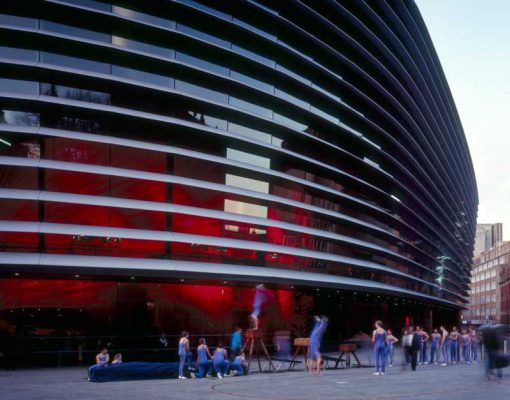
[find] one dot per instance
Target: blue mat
(130, 371)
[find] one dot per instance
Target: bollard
(505, 342)
(483, 351)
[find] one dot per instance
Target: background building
(159, 159)
(488, 294)
(487, 235)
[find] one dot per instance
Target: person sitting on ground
(220, 362)
(117, 359)
(204, 362)
(237, 365)
(103, 357)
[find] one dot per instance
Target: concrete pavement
(453, 382)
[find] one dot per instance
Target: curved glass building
(159, 159)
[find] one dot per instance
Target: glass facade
(194, 134)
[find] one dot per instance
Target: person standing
(454, 345)
(474, 344)
(406, 342)
(492, 341)
(465, 341)
(434, 346)
(390, 341)
(444, 344)
(236, 342)
(379, 341)
(184, 354)
(423, 337)
(412, 346)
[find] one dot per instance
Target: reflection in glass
(91, 4)
(290, 122)
(90, 96)
(324, 115)
(248, 132)
(74, 31)
(253, 56)
(142, 76)
(197, 62)
(136, 15)
(239, 207)
(203, 36)
(250, 107)
(248, 158)
(200, 91)
(19, 118)
(255, 29)
(292, 99)
(18, 86)
(18, 21)
(145, 47)
(255, 83)
(206, 9)
(207, 120)
(19, 54)
(247, 183)
(74, 62)
(293, 74)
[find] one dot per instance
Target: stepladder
(256, 346)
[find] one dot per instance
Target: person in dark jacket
(411, 343)
(492, 336)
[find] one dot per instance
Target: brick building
(487, 286)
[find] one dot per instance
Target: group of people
(451, 346)
(208, 363)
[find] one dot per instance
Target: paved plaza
(430, 381)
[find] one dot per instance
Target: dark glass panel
(73, 62)
(74, 31)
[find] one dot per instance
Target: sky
(472, 39)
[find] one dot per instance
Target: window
(18, 86)
(151, 19)
(242, 156)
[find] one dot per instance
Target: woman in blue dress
(379, 341)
